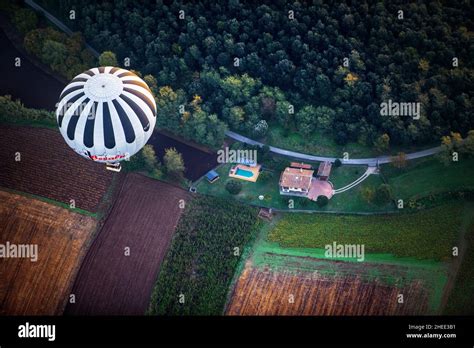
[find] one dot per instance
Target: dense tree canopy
(334, 63)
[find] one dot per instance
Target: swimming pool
(243, 172)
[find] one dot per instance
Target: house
(300, 165)
(324, 170)
(296, 181)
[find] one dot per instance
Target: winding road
(371, 162)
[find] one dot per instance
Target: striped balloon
(106, 114)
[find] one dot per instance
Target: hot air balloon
(106, 114)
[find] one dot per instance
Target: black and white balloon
(106, 114)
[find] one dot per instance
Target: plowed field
(261, 291)
(41, 287)
(49, 168)
(121, 267)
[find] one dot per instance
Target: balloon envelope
(106, 114)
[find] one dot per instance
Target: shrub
(383, 194)
(322, 201)
(13, 111)
(367, 194)
(265, 176)
(337, 163)
(233, 187)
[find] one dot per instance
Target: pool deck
(255, 171)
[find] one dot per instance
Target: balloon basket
(114, 167)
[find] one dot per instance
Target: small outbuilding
(212, 176)
(324, 170)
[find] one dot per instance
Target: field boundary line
(50, 201)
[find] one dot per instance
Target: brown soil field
(41, 287)
(142, 219)
(260, 291)
(49, 168)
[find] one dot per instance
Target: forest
(312, 67)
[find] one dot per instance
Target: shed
(212, 176)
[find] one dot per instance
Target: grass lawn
(349, 201)
(428, 234)
(320, 144)
(352, 200)
(345, 174)
(425, 176)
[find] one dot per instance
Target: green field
(202, 258)
(428, 234)
(379, 267)
(427, 176)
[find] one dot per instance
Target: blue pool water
(243, 172)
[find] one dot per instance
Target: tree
(151, 82)
(383, 194)
(283, 115)
(25, 20)
(174, 162)
(233, 187)
(260, 129)
(149, 158)
(108, 58)
(167, 103)
(306, 121)
(337, 163)
(54, 53)
(322, 201)
(323, 86)
(368, 194)
(445, 154)
(382, 143)
(468, 145)
(324, 116)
